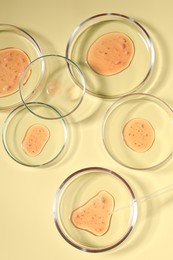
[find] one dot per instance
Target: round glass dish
(55, 81)
(12, 38)
(129, 79)
(79, 188)
(150, 109)
(16, 127)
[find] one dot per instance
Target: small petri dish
(55, 81)
(76, 190)
(129, 79)
(16, 128)
(15, 45)
(155, 113)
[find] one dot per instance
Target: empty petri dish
(77, 190)
(17, 49)
(108, 35)
(137, 130)
(33, 141)
(55, 81)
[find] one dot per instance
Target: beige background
(27, 229)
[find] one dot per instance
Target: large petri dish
(16, 127)
(13, 38)
(55, 81)
(76, 190)
(129, 79)
(149, 108)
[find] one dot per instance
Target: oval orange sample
(139, 135)
(95, 215)
(35, 139)
(111, 53)
(12, 63)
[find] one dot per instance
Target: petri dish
(15, 129)
(129, 79)
(150, 109)
(55, 81)
(78, 188)
(12, 38)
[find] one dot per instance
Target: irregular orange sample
(139, 135)
(35, 139)
(95, 215)
(12, 63)
(111, 53)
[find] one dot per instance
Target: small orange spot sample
(111, 53)
(12, 63)
(53, 88)
(95, 215)
(35, 139)
(139, 135)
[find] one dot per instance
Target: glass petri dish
(129, 79)
(149, 108)
(14, 38)
(55, 81)
(16, 127)
(80, 187)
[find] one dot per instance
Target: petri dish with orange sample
(17, 49)
(110, 48)
(86, 209)
(137, 130)
(33, 141)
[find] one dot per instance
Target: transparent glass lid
(31, 140)
(55, 81)
(137, 131)
(114, 52)
(79, 193)
(17, 50)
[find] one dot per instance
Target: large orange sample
(139, 135)
(35, 139)
(95, 215)
(111, 53)
(12, 63)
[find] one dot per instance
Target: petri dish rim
(5, 124)
(129, 19)
(157, 100)
(69, 62)
(85, 171)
